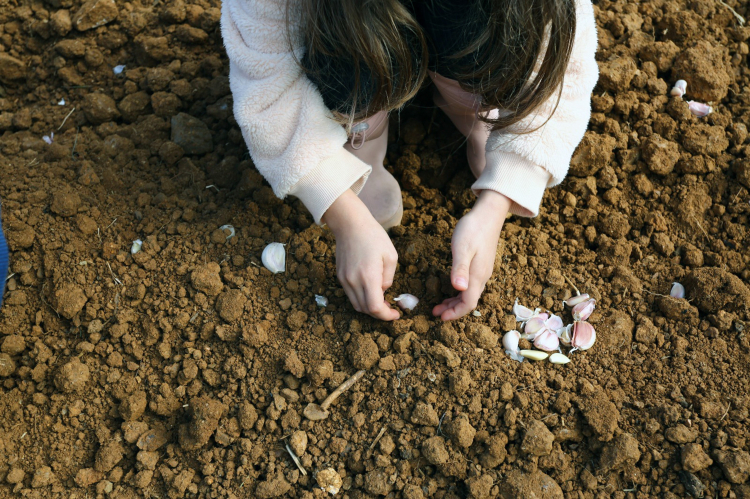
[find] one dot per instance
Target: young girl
(313, 82)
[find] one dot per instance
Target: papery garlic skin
(583, 310)
(136, 247)
(679, 89)
(406, 301)
(575, 300)
(699, 109)
(524, 314)
(547, 340)
(274, 258)
(677, 291)
(584, 336)
(231, 231)
(565, 334)
(321, 301)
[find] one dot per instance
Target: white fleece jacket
(298, 147)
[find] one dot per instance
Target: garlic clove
(583, 310)
(679, 89)
(510, 341)
(699, 109)
(534, 354)
(565, 334)
(274, 258)
(321, 301)
(678, 290)
(231, 231)
(547, 340)
(406, 301)
(584, 335)
(534, 325)
(575, 300)
(554, 323)
(558, 358)
(136, 247)
(522, 313)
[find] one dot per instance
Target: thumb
(460, 272)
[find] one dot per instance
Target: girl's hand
(474, 246)
(365, 257)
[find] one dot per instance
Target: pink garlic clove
(522, 313)
(547, 340)
(575, 300)
(678, 290)
(679, 89)
(534, 325)
(699, 109)
(565, 334)
(406, 301)
(554, 323)
(583, 310)
(584, 335)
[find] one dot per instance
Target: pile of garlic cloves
(547, 331)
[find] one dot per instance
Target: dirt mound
(182, 369)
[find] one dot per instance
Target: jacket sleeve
(521, 166)
(292, 138)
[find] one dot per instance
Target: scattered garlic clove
(583, 310)
(679, 89)
(554, 323)
(572, 302)
(322, 301)
(678, 290)
(699, 109)
(49, 138)
(136, 247)
(406, 301)
(584, 335)
(565, 334)
(274, 258)
(558, 358)
(231, 231)
(522, 313)
(510, 340)
(534, 354)
(117, 70)
(547, 340)
(534, 325)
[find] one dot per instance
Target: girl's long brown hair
(517, 63)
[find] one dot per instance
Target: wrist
(493, 204)
(347, 210)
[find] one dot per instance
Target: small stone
(433, 449)
(99, 108)
(538, 439)
(694, 459)
(191, 134)
(95, 13)
(298, 442)
(329, 480)
(377, 482)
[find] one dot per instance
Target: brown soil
(178, 371)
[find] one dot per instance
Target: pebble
(298, 442)
(99, 108)
(95, 13)
(329, 480)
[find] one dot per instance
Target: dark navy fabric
(3, 261)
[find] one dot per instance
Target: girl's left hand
(474, 247)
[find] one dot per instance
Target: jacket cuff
(330, 179)
(515, 177)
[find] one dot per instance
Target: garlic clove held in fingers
(406, 301)
(584, 335)
(274, 258)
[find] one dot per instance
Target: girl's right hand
(365, 257)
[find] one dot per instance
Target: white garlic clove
(584, 335)
(678, 290)
(583, 310)
(699, 109)
(534, 354)
(321, 301)
(554, 323)
(558, 358)
(575, 300)
(534, 325)
(231, 231)
(522, 313)
(510, 340)
(136, 247)
(547, 340)
(274, 258)
(679, 89)
(565, 334)
(476, 313)
(406, 301)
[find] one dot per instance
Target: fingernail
(461, 281)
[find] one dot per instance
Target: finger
(447, 303)
(468, 302)
(377, 306)
(389, 270)
(352, 296)
(461, 265)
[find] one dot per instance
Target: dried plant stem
(571, 283)
(377, 439)
(341, 389)
(295, 459)
(740, 19)
(65, 119)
